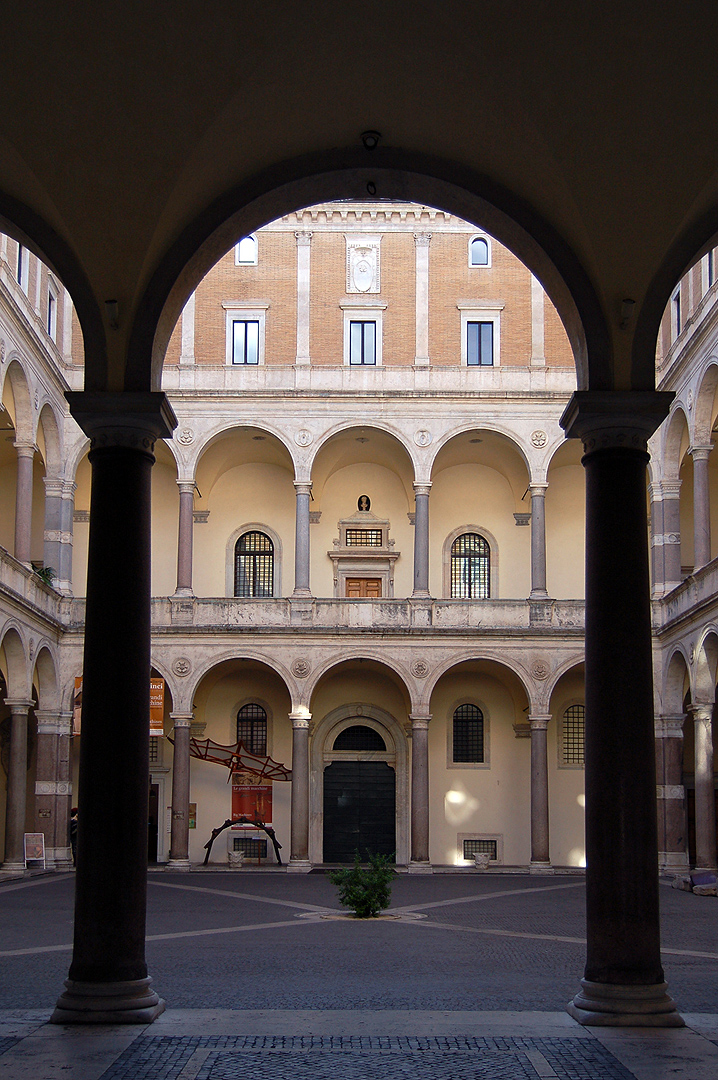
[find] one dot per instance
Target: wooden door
(360, 588)
(359, 810)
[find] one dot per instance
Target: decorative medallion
(690, 400)
(301, 668)
(181, 666)
(539, 439)
(303, 437)
(2, 351)
(31, 648)
(37, 400)
(540, 669)
(420, 669)
(422, 437)
(363, 264)
(364, 503)
(186, 436)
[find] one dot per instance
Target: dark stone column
(623, 981)
(701, 507)
(299, 849)
(301, 543)
(540, 858)
(16, 800)
(23, 502)
(421, 540)
(179, 840)
(538, 541)
(420, 794)
(108, 980)
(672, 833)
(705, 787)
(671, 534)
(184, 539)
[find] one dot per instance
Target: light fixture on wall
(370, 139)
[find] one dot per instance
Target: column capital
(539, 721)
(49, 722)
(303, 238)
(131, 420)
(18, 706)
(700, 452)
(300, 719)
(25, 450)
(538, 487)
(669, 727)
(182, 720)
(701, 713)
(420, 721)
(615, 419)
(422, 239)
(422, 487)
(54, 486)
(303, 487)
(186, 486)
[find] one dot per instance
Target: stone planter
(481, 860)
(236, 859)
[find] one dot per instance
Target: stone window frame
(244, 311)
(253, 526)
(53, 294)
(480, 311)
(247, 262)
(493, 563)
(22, 273)
(364, 311)
(498, 837)
(479, 266)
(561, 764)
(467, 699)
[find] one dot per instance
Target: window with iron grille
(362, 343)
(252, 846)
(572, 735)
(470, 564)
(252, 728)
(155, 756)
(468, 734)
(363, 537)
(254, 565)
(245, 341)
(479, 344)
(481, 847)
(359, 737)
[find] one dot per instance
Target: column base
(538, 866)
(183, 593)
(419, 867)
(299, 866)
(13, 867)
(611, 1005)
(130, 1002)
(673, 862)
(178, 864)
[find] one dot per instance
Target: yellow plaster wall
(165, 524)
(565, 532)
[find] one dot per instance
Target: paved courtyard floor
(466, 977)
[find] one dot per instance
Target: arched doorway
(359, 791)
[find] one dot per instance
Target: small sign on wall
(251, 797)
(157, 707)
(77, 706)
(34, 849)
(192, 815)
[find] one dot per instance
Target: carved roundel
(181, 666)
(539, 438)
(420, 669)
(303, 437)
(422, 437)
(186, 436)
(540, 669)
(301, 668)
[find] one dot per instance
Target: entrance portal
(359, 810)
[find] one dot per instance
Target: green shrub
(365, 889)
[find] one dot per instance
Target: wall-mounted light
(370, 139)
(112, 310)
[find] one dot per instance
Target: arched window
(470, 565)
(572, 734)
(246, 251)
(252, 728)
(254, 565)
(479, 252)
(359, 737)
(468, 734)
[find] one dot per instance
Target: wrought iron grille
(254, 565)
(359, 737)
(363, 537)
(470, 564)
(574, 724)
(252, 728)
(469, 734)
(481, 847)
(253, 847)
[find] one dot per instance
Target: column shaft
(672, 841)
(701, 507)
(421, 540)
(301, 545)
(52, 535)
(23, 503)
(16, 787)
(540, 858)
(538, 540)
(299, 852)
(420, 790)
(184, 538)
(179, 840)
(658, 564)
(705, 788)
(672, 534)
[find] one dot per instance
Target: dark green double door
(359, 810)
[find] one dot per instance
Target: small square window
(52, 314)
(23, 267)
(479, 251)
(245, 341)
(246, 251)
(362, 343)
(480, 344)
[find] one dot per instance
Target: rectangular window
(572, 736)
(363, 537)
(362, 343)
(484, 847)
(677, 313)
(52, 315)
(711, 268)
(252, 848)
(480, 344)
(23, 267)
(468, 734)
(245, 341)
